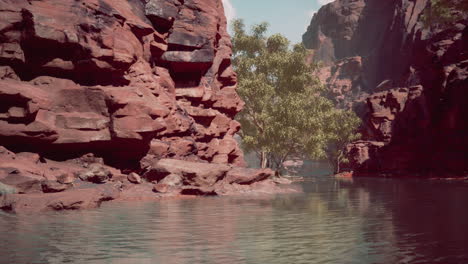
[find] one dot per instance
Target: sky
(288, 17)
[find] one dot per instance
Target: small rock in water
(134, 178)
(248, 176)
(161, 188)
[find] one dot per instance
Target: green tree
(284, 114)
(340, 130)
(443, 12)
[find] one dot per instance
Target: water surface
(333, 221)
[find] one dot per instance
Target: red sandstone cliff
(120, 79)
(91, 90)
(408, 83)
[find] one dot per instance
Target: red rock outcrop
(29, 183)
(120, 79)
(93, 93)
(406, 80)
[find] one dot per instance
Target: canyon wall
(407, 80)
(130, 81)
(106, 100)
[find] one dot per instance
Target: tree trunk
(337, 166)
(263, 159)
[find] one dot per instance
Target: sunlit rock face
(129, 81)
(407, 82)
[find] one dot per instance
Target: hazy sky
(288, 17)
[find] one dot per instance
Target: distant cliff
(408, 82)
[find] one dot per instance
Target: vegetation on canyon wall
(442, 12)
(285, 114)
(402, 67)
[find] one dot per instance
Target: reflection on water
(315, 168)
(359, 221)
(303, 168)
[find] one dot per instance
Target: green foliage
(442, 12)
(284, 114)
(340, 130)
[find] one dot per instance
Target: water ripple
(365, 221)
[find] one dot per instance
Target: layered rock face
(94, 93)
(407, 81)
(121, 79)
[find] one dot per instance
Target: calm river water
(333, 221)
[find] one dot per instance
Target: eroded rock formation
(121, 79)
(405, 79)
(128, 82)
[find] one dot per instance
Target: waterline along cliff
(115, 92)
(405, 78)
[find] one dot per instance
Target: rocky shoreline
(30, 183)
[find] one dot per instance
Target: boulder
(172, 180)
(158, 11)
(67, 178)
(134, 178)
(246, 176)
(192, 173)
(95, 173)
(22, 180)
(53, 187)
(160, 188)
